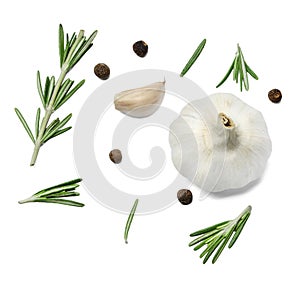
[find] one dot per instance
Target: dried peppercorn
(102, 71)
(185, 196)
(275, 95)
(115, 156)
(140, 48)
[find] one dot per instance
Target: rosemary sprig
(219, 235)
(129, 220)
(240, 70)
(194, 57)
(56, 92)
(55, 194)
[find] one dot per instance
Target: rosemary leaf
(23, 121)
(56, 128)
(80, 55)
(227, 74)
(63, 194)
(222, 246)
(206, 241)
(236, 68)
(243, 69)
(129, 220)
(199, 246)
(251, 72)
(211, 248)
(50, 126)
(241, 81)
(73, 38)
(50, 90)
(79, 47)
(67, 48)
(203, 237)
(238, 231)
(205, 230)
(40, 89)
(54, 190)
(69, 44)
(73, 47)
(194, 57)
(61, 44)
(64, 121)
(87, 45)
(64, 184)
(69, 95)
(46, 90)
(59, 132)
(37, 122)
(65, 87)
(55, 201)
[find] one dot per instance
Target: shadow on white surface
(243, 190)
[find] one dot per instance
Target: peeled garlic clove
(232, 144)
(140, 102)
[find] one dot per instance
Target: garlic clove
(140, 102)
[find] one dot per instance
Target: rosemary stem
(48, 113)
(234, 222)
(242, 214)
(246, 210)
(28, 200)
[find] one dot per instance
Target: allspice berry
(115, 156)
(275, 95)
(140, 48)
(185, 196)
(102, 71)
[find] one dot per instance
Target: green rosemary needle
(218, 235)
(194, 57)
(240, 71)
(56, 92)
(56, 194)
(129, 220)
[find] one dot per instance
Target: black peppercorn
(140, 48)
(102, 71)
(275, 95)
(115, 156)
(185, 196)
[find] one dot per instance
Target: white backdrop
(43, 242)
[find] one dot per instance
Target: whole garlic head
(231, 139)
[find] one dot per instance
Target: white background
(41, 242)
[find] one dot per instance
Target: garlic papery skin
(233, 144)
(140, 102)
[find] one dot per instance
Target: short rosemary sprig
(55, 194)
(240, 70)
(219, 235)
(129, 220)
(57, 92)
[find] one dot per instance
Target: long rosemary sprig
(55, 194)
(219, 235)
(240, 71)
(57, 92)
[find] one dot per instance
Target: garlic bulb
(231, 143)
(140, 102)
